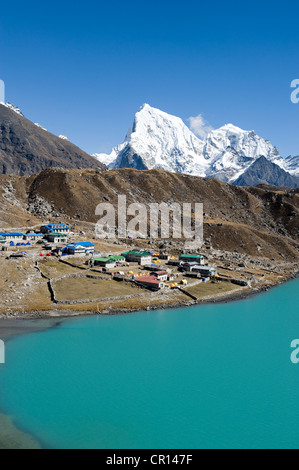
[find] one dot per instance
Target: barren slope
(26, 148)
(256, 221)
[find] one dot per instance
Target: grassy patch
(203, 290)
(53, 268)
(21, 287)
(136, 303)
(85, 288)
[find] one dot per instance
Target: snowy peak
(232, 150)
(161, 133)
(231, 128)
(162, 136)
(159, 140)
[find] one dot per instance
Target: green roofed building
(107, 261)
(138, 256)
(118, 258)
(200, 259)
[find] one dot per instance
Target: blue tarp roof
(34, 234)
(12, 234)
(84, 244)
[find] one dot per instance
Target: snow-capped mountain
(231, 151)
(159, 140)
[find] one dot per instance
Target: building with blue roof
(55, 228)
(85, 244)
(79, 248)
(12, 236)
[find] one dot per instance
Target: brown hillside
(253, 221)
(26, 148)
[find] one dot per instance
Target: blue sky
(84, 68)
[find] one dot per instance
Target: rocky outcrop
(262, 171)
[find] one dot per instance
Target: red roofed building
(150, 282)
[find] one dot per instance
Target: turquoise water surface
(213, 376)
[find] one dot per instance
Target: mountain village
(78, 272)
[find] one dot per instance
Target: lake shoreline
(30, 322)
(14, 438)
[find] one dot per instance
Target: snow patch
(41, 127)
(13, 108)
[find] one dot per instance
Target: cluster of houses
(52, 233)
(143, 258)
(55, 233)
(153, 277)
(19, 239)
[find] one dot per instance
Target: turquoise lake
(211, 376)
